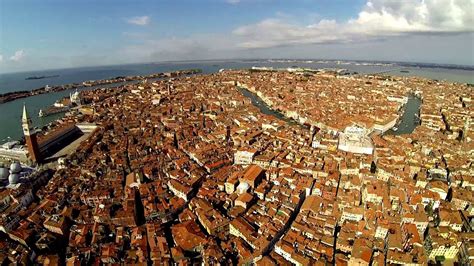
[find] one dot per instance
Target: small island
(41, 77)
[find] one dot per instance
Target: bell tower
(30, 137)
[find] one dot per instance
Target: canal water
(263, 107)
(410, 118)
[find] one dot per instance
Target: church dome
(13, 179)
(15, 168)
(3, 173)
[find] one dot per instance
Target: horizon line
(414, 63)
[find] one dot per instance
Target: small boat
(395, 128)
(40, 114)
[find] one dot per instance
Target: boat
(40, 114)
(395, 128)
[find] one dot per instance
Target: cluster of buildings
(332, 102)
(188, 170)
(40, 145)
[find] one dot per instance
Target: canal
(407, 123)
(11, 112)
(410, 118)
(264, 108)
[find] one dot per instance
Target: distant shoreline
(368, 61)
(12, 96)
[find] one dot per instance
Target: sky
(49, 34)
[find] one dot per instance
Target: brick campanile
(30, 137)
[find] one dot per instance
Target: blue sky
(48, 34)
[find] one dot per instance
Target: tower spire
(30, 136)
(25, 116)
(26, 122)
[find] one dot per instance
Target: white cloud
(233, 2)
(18, 56)
(428, 16)
(140, 21)
(201, 46)
(378, 18)
(1, 58)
